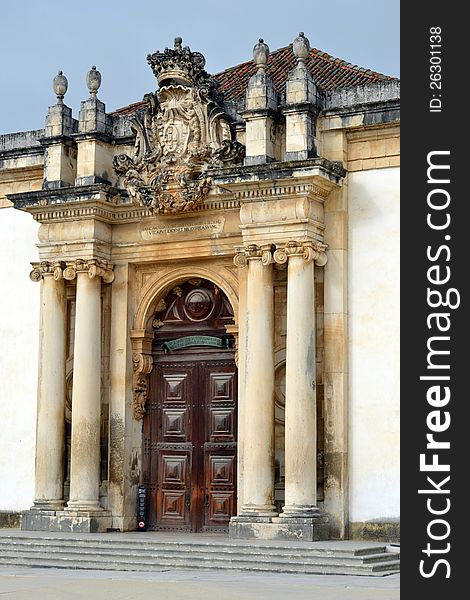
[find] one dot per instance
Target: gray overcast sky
(37, 38)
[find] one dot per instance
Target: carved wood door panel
(220, 448)
(190, 445)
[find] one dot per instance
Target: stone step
(218, 547)
(149, 553)
(74, 562)
(190, 554)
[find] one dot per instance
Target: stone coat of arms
(182, 133)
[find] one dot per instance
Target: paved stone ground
(20, 583)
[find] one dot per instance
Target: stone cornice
(313, 178)
(99, 201)
(328, 174)
(93, 135)
(21, 152)
(65, 140)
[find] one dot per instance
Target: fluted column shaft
(50, 424)
(258, 477)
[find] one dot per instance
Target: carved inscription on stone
(181, 229)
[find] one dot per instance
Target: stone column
(50, 428)
(258, 476)
(86, 391)
(300, 426)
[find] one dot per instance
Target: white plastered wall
(374, 345)
(19, 323)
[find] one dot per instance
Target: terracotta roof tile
(130, 109)
(328, 72)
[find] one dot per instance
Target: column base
(258, 511)
(83, 505)
(48, 505)
(311, 529)
(300, 511)
(71, 521)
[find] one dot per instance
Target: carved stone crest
(182, 132)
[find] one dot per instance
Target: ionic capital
(308, 250)
(94, 268)
(244, 254)
(46, 268)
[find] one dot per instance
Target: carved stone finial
(261, 54)
(60, 85)
(93, 81)
(301, 48)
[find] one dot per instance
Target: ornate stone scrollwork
(94, 267)
(239, 260)
(182, 133)
(309, 250)
(253, 252)
(45, 267)
(143, 365)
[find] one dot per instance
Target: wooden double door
(190, 450)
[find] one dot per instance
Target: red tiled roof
(130, 109)
(328, 72)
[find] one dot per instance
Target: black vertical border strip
(422, 132)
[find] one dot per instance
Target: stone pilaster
(258, 475)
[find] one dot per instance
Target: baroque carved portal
(190, 422)
(182, 132)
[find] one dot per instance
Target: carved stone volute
(143, 365)
(182, 132)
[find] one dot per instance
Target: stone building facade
(215, 303)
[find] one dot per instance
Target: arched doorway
(190, 426)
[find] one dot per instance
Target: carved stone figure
(182, 132)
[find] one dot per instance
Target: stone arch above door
(155, 289)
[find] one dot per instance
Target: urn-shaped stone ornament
(60, 85)
(93, 80)
(301, 47)
(261, 54)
